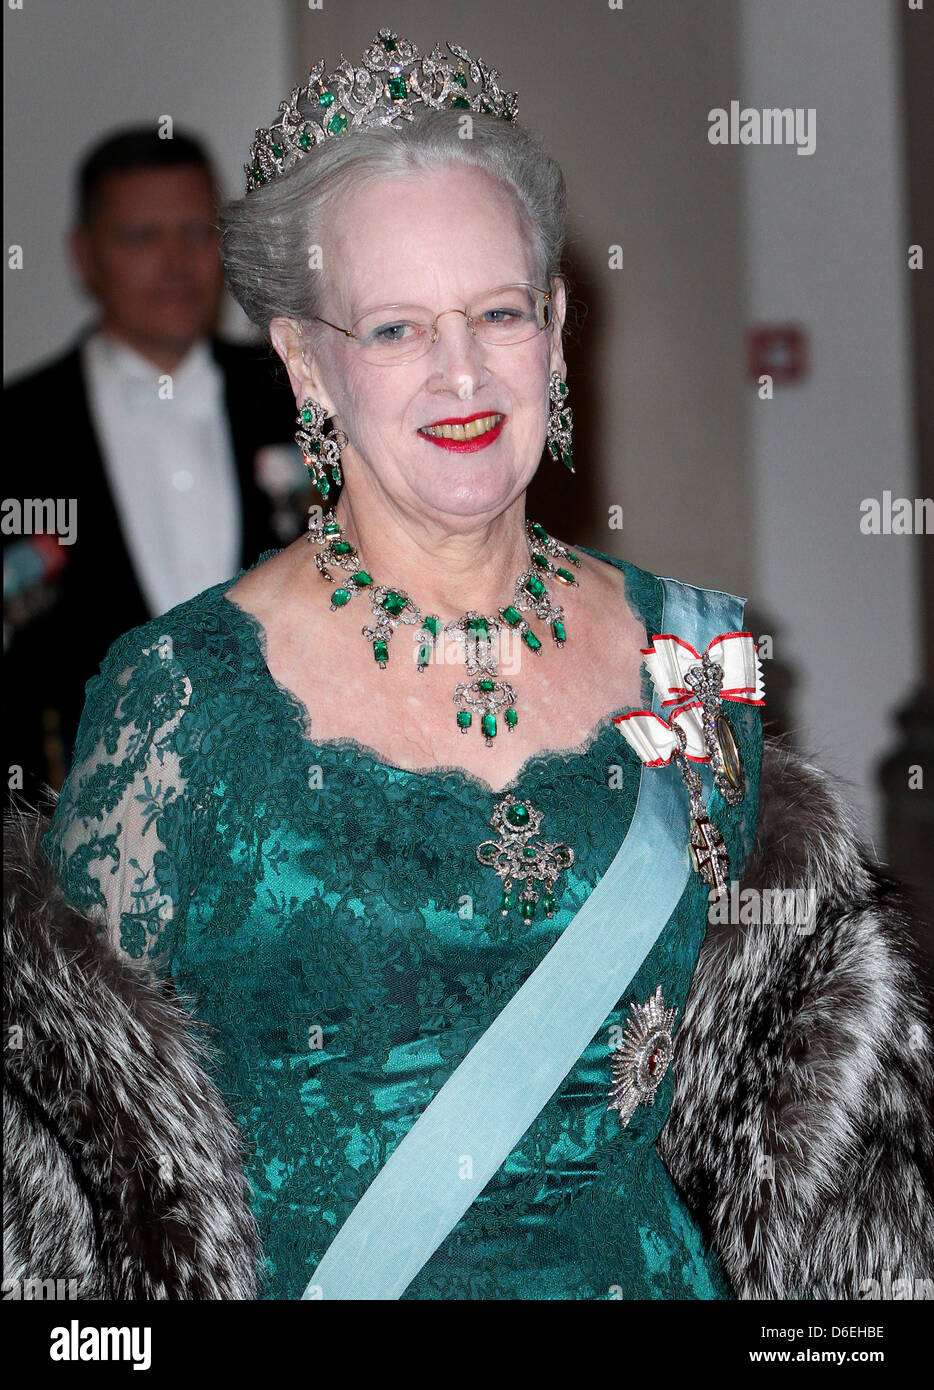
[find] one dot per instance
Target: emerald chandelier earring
(476, 634)
(320, 450)
(560, 422)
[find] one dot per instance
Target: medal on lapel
(642, 1057)
(706, 680)
(694, 685)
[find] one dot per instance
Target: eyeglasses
(402, 332)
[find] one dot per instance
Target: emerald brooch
(518, 861)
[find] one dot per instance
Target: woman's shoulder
(206, 627)
(648, 592)
(642, 590)
(202, 654)
(650, 582)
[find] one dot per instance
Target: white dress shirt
(168, 454)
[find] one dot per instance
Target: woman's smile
(466, 435)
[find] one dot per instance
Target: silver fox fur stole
(800, 1133)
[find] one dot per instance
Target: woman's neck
(444, 573)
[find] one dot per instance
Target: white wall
(76, 70)
(826, 246)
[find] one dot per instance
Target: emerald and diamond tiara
(392, 82)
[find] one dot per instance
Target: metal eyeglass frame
(516, 284)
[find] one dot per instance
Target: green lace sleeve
(121, 830)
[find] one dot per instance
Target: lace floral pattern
(325, 912)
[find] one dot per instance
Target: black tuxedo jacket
(55, 453)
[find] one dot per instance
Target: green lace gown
(326, 913)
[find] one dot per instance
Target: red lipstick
(465, 446)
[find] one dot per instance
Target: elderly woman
(428, 814)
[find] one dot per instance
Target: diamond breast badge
(642, 1056)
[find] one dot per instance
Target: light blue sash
(468, 1130)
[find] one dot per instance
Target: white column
(827, 247)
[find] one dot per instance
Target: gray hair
(266, 235)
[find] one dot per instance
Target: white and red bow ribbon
(669, 659)
(654, 740)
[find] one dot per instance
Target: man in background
(162, 452)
